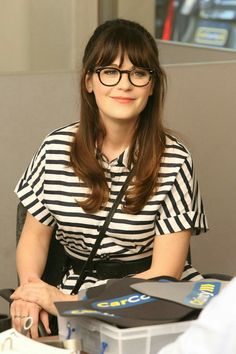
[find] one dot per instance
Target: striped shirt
(50, 191)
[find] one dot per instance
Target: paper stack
(13, 342)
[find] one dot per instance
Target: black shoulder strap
(101, 234)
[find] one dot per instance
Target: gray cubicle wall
(201, 106)
(200, 103)
(31, 105)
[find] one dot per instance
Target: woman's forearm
(30, 259)
(169, 255)
(32, 249)
(153, 273)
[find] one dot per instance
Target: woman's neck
(118, 138)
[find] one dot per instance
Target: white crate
(138, 340)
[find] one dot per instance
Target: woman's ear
(88, 83)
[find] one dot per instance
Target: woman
(78, 171)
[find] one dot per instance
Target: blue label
(202, 293)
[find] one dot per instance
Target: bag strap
(101, 234)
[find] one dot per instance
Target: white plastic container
(95, 335)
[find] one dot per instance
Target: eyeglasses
(110, 76)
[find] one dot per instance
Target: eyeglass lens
(111, 76)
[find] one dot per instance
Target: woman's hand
(41, 294)
(21, 309)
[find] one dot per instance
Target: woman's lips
(121, 99)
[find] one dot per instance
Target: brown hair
(109, 39)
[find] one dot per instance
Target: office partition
(201, 107)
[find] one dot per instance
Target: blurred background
(50, 34)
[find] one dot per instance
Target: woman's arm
(34, 297)
(32, 249)
(31, 256)
(169, 255)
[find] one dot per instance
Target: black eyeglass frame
(128, 72)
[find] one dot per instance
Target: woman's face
(122, 102)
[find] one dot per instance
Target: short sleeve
(30, 188)
(182, 208)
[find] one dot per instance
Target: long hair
(113, 38)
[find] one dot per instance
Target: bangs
(125, 42)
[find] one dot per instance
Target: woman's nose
(124, 82)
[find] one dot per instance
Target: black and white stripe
(49, 189)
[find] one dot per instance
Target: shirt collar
(121, 160)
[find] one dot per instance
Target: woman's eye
(110, 72)
(139, 73)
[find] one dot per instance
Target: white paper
(13, 342)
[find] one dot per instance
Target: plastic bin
(95, 335)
